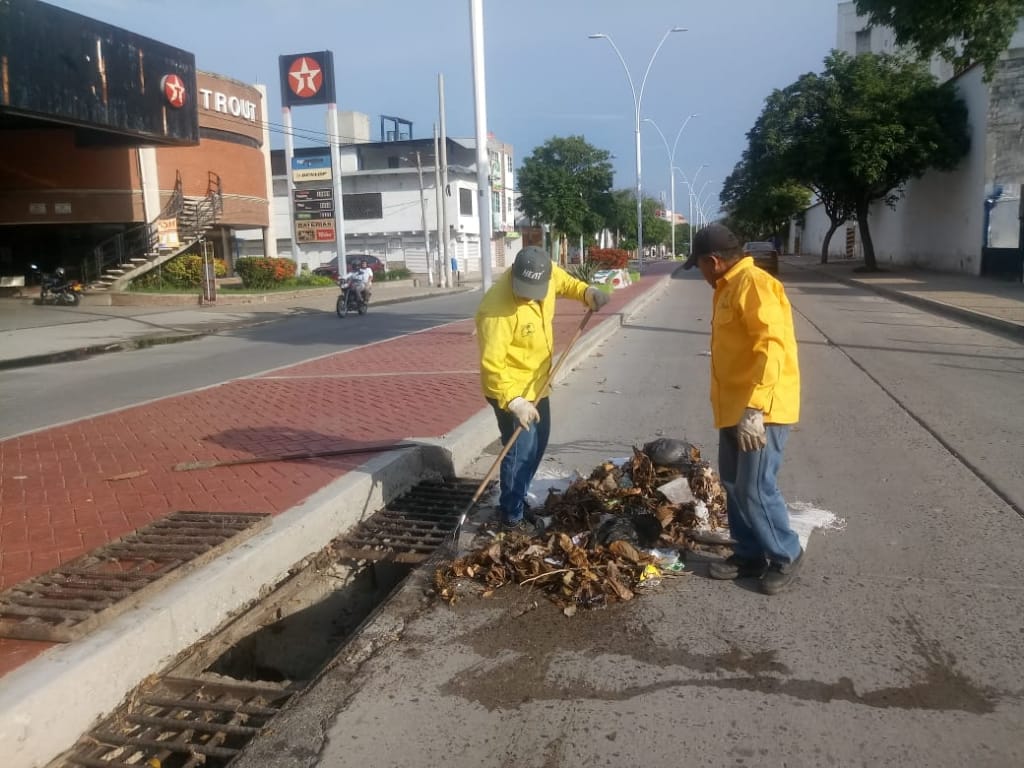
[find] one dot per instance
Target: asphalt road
(899, 645)
(42, 396)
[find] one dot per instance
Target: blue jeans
(758, 517)
(521, 462)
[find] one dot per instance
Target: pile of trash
(607, 536)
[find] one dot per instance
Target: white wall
(940, 221)
(812, 235)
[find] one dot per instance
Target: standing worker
(514, 331)
(755, 397)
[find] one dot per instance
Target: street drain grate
(73, 599)
(411, 527)
(180, 723)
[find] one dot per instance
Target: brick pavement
(56, 502)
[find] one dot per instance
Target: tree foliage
(566, 183)
(621, 219)
(760, 201)
(855, 134)
(963, 32)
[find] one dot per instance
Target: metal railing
(193, 217)
(140, 239)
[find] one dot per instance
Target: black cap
(531, 273)
(714, 238)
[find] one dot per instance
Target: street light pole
(671, 173)
(637, 100)
(689, 186)
(703, 203)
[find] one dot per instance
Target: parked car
(330, 269)
(764, 254)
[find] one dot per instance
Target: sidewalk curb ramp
(46, 704)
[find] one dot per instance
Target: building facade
(91, 157)
(967, 220)
(391, 202)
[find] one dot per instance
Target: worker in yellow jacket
(755, 398)
(516, 339)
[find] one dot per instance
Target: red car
(330, 269)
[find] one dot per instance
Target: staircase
(129, 254)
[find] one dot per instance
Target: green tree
(566, 183)
(855, 135)
(758, 201)
(797, 137)
(621, 220)
(962, 32)
(896, 123)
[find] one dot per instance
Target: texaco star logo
(174, 90)
(304, 77)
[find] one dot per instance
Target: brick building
(130, 141)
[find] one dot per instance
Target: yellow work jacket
(753, 348)
(516, 339)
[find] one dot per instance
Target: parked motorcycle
(351, 298)
(57, 288)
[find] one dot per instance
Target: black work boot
(780, 575)
(736, 567)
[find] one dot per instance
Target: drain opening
(296, 645)
(209, 706)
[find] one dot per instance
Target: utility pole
(423, 215)
(438, 205)
(483, 158)
(446, 262)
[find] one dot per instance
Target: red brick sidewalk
(56, 501)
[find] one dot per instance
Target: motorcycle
(352, 298)
(57, 289)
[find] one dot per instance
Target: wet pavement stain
(527, 646)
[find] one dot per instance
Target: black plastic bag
(669, 452)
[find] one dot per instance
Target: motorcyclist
(365, 274)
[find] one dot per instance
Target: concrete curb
(48, 703)
(974, 317)
(142, 342)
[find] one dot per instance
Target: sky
(544, 76)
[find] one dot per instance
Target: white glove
(750, 431)
(595, 298)
(525, 411)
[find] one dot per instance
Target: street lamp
(689, 184)
(637, 99)
(703, 203)
(671, 164)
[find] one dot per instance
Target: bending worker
(514, 331)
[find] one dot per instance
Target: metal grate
(73, 599)
(411, 527)
(181, 723)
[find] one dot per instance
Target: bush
(584, 271)
(609, 258)
(184, 271)
(264, 272)
(396, 274)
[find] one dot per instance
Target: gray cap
(531, 273)
(714, 238)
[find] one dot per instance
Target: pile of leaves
(599, 533)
